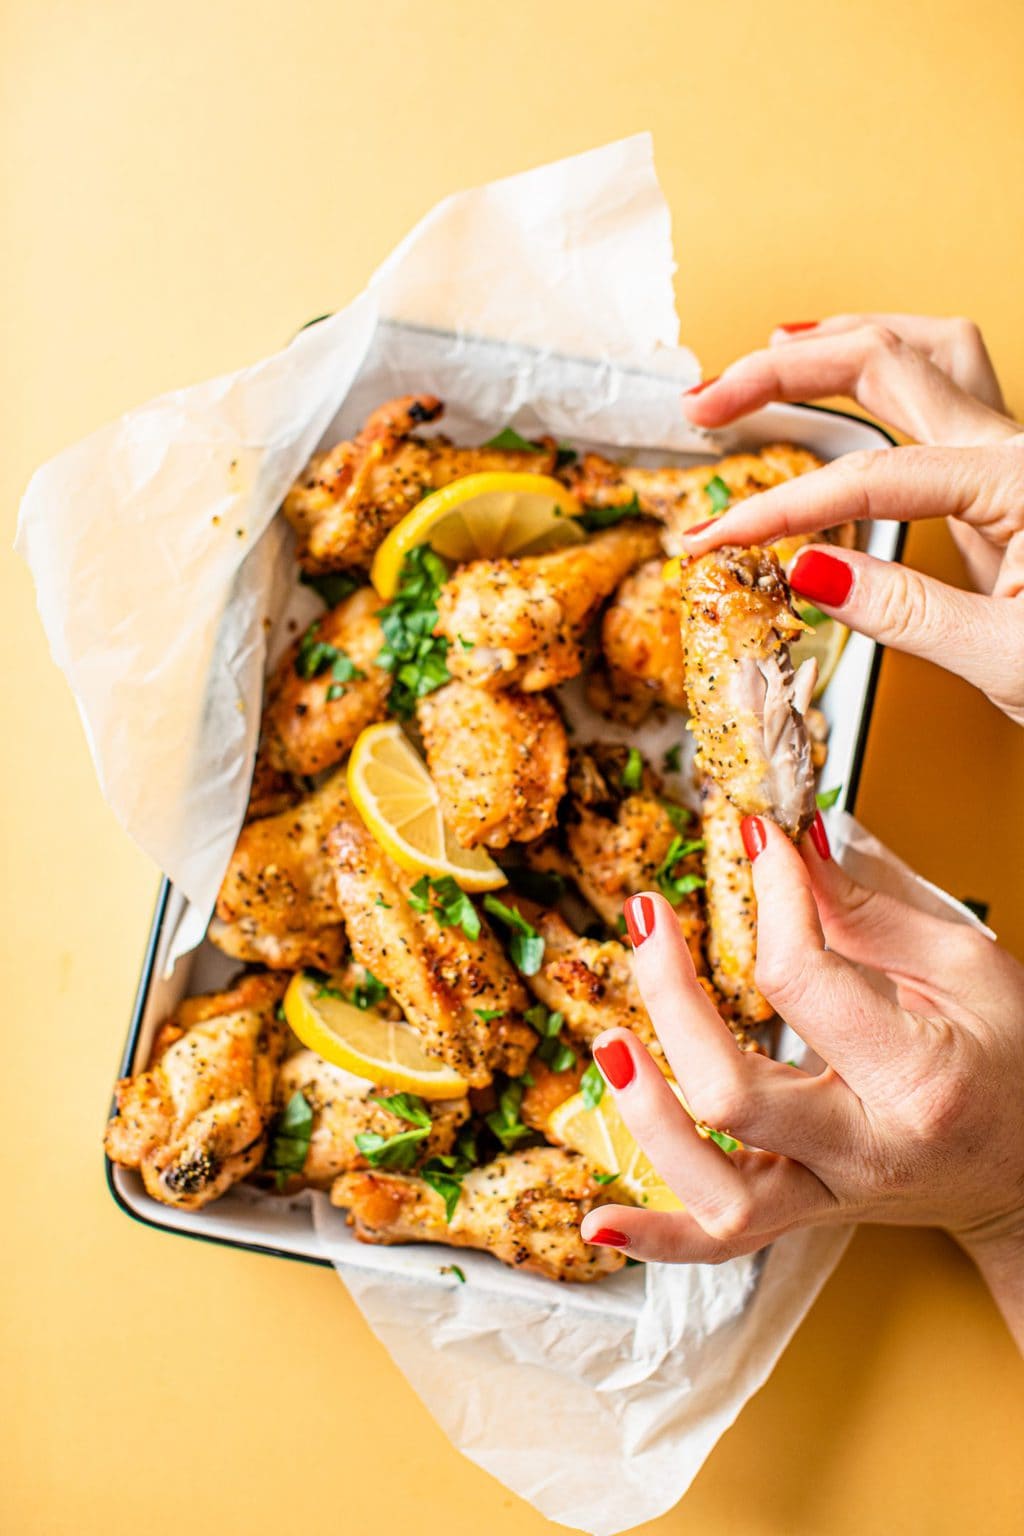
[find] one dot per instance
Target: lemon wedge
(824, 641)
(601, 1135)
(481, 517)
(398, 801)
(361, 1041)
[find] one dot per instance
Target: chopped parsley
(416, 658)
(727, 1143)
(333, 587)
(674, 887)
(552, 1049)
(828, 797)
(490, 1014)
(679, 815)
(811, 615)
(315, 656)
(633, 772)
(511, 441)
(541, 885)
(446, 1172)
(719, 495)
(592, 1086)
(505, 1121)
(672, 760)
(565, 456)
(399, 1151)
(289, 1139)
(453, 1269)
(448, 902)
(407, 1106)
(594, 519)
(604, 1178)
(525, 945)
(368, 993)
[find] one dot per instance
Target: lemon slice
(361, 1041)
(824, 641)
(479, 518)
(398, 800)
(603, 1138)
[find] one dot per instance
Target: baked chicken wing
(499, 761)
(747, 705)
(642, 648)
(731, 907)
(520, 623)
(326, 688)
(195, 1121)
(350, 497)
(524, 1207)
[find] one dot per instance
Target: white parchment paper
(163, 576)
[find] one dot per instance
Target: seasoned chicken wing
(326, 688)
(643, 650)
(350, 497)
(271, 791)
(195, 1121)
(277, 903)
(731, 907)
(499, 761)
(747, 704)
(462, 994)
(343, 1108)
(520, 623)
(524, 1207)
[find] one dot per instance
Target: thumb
(979, 638)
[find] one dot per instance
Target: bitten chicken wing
(524, 1207)
(326, 688)
(350, 497)
(747, 704)
(642, 647)
(277, 903)
(499, 761)
(520, 623)
(461, 994)
(195, 1121)
(343, 1109)
(731, 907)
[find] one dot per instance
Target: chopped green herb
(289, 1139)
(620, 924)
(412, 653)
(407, 1106)
(527, 1079)
(380, 902)
(557, 1055)
(322, 981)
(592, 1086)
(511, 441)
(399, 1151)
(280, 1015)
(333, 587)
(467, 645)
(546, 1024)
(727, 1143)
(678, 815)
(526, 946)
(541, 885)
(367, 993)
(490, 1014)
(448, 902)
(594, 519)
(565, 456)
(633, 772)
(453, 1269)
(505, 1121)
(445, 1172)
(672, 760)
(811, 615)
(604, 1178)
(674, 887)
(828, 797)
(719, 494)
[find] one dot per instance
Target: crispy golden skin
(549, 1089)
(343, 1109)
(277, 902)
(499, 761)
(524, 620)
(310, 723)
(642, 646)
(195, 1121)
(349, 498)
(271, 791)
(438, 976)
(524, 1207)
(731, 907)
(747, 705)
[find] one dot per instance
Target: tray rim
(269, 1249)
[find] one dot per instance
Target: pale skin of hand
(933, 380)
(917, 1118)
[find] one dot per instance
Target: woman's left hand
(917, 1118)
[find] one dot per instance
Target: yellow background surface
(184, 185)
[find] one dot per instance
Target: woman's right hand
(931, 379)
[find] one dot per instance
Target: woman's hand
(933, 380)
(917, 1118)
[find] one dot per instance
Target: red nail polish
(639, 911)
(616, 1063)
(689, 533)
(755, 839)
(792, 326)
(695, 389)
(821, 577)
(819, 837)
(610, 1237)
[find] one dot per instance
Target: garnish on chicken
(643, 652)
(520, 623)
(524, 1207)
(460, 992)
(747, 703)
(499, 761)
(349, 498)
(731, 907)
(194, 1122)
(345, 1107)
(326, 688)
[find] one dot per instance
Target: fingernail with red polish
(639, 912)
(610, 1238)
(819, 837)
(821, 577)
(616, 1063)
(755, 839)
(792, 326)
(690, 533)
(696, 389)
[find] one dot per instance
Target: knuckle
(965, 331)
(935, 1109)
(778, 977)
(879, 338)
(730, 1221)
(904, 607)
(724, 1102)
